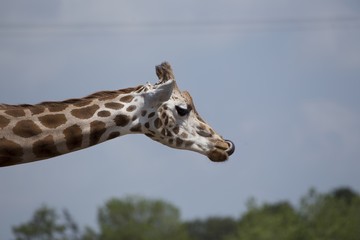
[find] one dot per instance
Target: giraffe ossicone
(161, 111)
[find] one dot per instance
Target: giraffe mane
(96, 95)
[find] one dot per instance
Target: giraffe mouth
(222, 151)
(231, 147)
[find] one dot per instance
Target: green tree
(45, 224)
(271, 221)
(332, 216)
(89, 234)
(136, 218)
(335, 215)
(213, 228)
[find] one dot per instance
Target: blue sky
(281, 79)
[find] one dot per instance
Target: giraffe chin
(218, 156)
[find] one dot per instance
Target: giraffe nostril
(231, 148)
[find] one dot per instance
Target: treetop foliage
(333, 215)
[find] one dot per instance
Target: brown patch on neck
(176, 129)
(56, 107)
(26, 129)
(53, 120)
(45, 148)
(104, 113)
(86, 112)
(136, 128)
(15, 112)
(10, 149)
(113, 135)
(179, 142)
(9, 161)
(82, 103)
(131, 108)
(73, 137)
(114, 105)
(121, 120)
(36, 109)
(97, 129)
(4, 121)
(127, 98)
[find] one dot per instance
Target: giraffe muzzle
(222, 151)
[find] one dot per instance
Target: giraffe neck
(35, 132)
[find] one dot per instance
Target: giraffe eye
(182, 111)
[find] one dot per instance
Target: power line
(281, 24)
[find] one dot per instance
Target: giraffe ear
(160, 94)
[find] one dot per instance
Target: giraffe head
(174, 121)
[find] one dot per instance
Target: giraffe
(161, 111)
